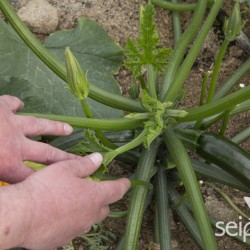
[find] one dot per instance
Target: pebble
(40, 16)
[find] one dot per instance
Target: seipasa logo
(233, 228)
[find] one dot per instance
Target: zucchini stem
(162, 209)
(181, 47)
(139, 196)
(109, 156)
(218, 106)
(104, 124)
(151, 81)
(184, 167)
(173, 89)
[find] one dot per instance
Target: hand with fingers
(48, 208)
(56, 204)
(15, 145)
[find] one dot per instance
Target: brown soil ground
(120, 19)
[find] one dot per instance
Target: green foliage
(89, 144)
(145, 50)
(156, 140)
(159, 117)
(156, 124)
(98, 238)
(23, 74)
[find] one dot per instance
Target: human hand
(15, 147)
(59, 205)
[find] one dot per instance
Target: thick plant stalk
(181, 47)
(218, 106)
(156, 226)
(185, 215)
(239, 108)
(104, 124)
(138, 198)
(162, 209)
(176, 25)
(184, 167)
(120, 245)
(186, 66)
(109, 156)
(100, 95)
(151, 81)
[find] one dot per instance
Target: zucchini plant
(155, 132)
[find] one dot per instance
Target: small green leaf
(155, 125)
(89, 144)
(145, 49)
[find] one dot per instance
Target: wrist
(14, 216)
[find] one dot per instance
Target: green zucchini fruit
(220, 151)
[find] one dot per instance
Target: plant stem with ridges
(184, 167)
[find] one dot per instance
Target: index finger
(113, 191)
(33, 126)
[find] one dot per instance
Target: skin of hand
(15, 145)
(54, 205)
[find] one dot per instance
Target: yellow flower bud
(76, 78)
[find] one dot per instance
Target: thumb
(82, 166)
(95, 161)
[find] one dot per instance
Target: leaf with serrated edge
(145, 49)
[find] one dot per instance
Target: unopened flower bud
(76, 78)
(233, 24)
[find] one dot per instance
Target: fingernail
(125, 185)
(67, 128)
(96, 158)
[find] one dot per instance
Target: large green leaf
(22, 74)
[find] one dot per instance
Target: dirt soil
(120, 19)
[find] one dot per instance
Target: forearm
(14, 216)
